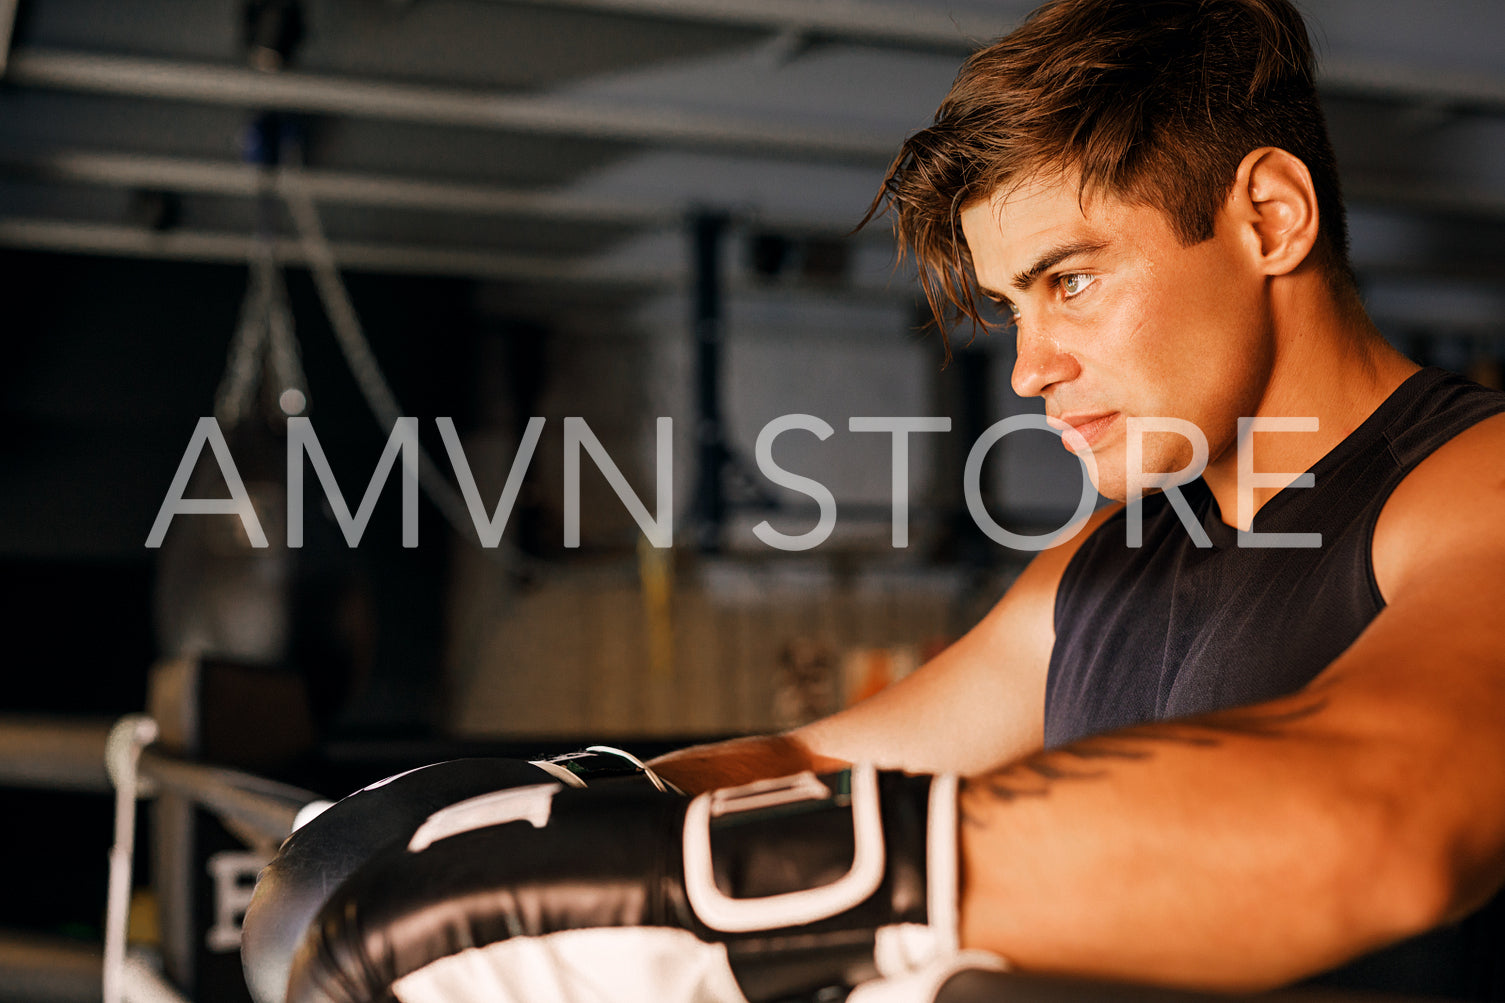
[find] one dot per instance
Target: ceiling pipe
(909, 26)
(330, 187)
(1412, 85)
(538, 275)
(301, 92)
(564, 116)
(932, 28)
(234, 248)
(1426, 197)
(37, 234)
(207, 177)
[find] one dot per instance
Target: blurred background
(495, 211)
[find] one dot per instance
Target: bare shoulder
(1448, 512)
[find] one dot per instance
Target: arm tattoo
(1092, 758)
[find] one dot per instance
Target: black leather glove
(764, 892)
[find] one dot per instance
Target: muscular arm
(1252, 847)
(976, 705)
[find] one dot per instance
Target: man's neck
(1331, 364)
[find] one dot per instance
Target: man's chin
(1118, 491)
(1106, 474)
(1117, 488)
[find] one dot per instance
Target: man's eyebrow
(1054, 257)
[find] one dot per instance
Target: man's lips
(1090, 426)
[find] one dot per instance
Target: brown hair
(1155, 102)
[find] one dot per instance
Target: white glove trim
(654, 778)
(733, 915)
(943, 865)
(908, 947)
(534, 804)
(558, 772)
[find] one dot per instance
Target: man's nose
(1041, 361)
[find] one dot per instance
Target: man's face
(1115, 318)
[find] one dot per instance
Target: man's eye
(1075, 282)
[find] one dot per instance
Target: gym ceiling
(553, 149)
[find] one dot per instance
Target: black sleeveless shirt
(1170, 629)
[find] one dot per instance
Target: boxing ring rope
(260, 812)
(248, 804)
(58, 754)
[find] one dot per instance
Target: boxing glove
(323, 852)
(774, 890)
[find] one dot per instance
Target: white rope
(237, 387)
(351, 339)
(123, 748)
(264, 336)
(282, 348)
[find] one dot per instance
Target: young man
(1149, 190)
(1232, 736)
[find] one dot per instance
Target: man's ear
(1274, 200)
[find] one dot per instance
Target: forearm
(1237, 853)
(739, 761)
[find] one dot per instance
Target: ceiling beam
(927, 27)
(236, 248)
(563, 116)
(208, 177)
(1454, 309)
(906, 25)
(220, 178)
(535, 272)
(1390, 81)
(1426, 197)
